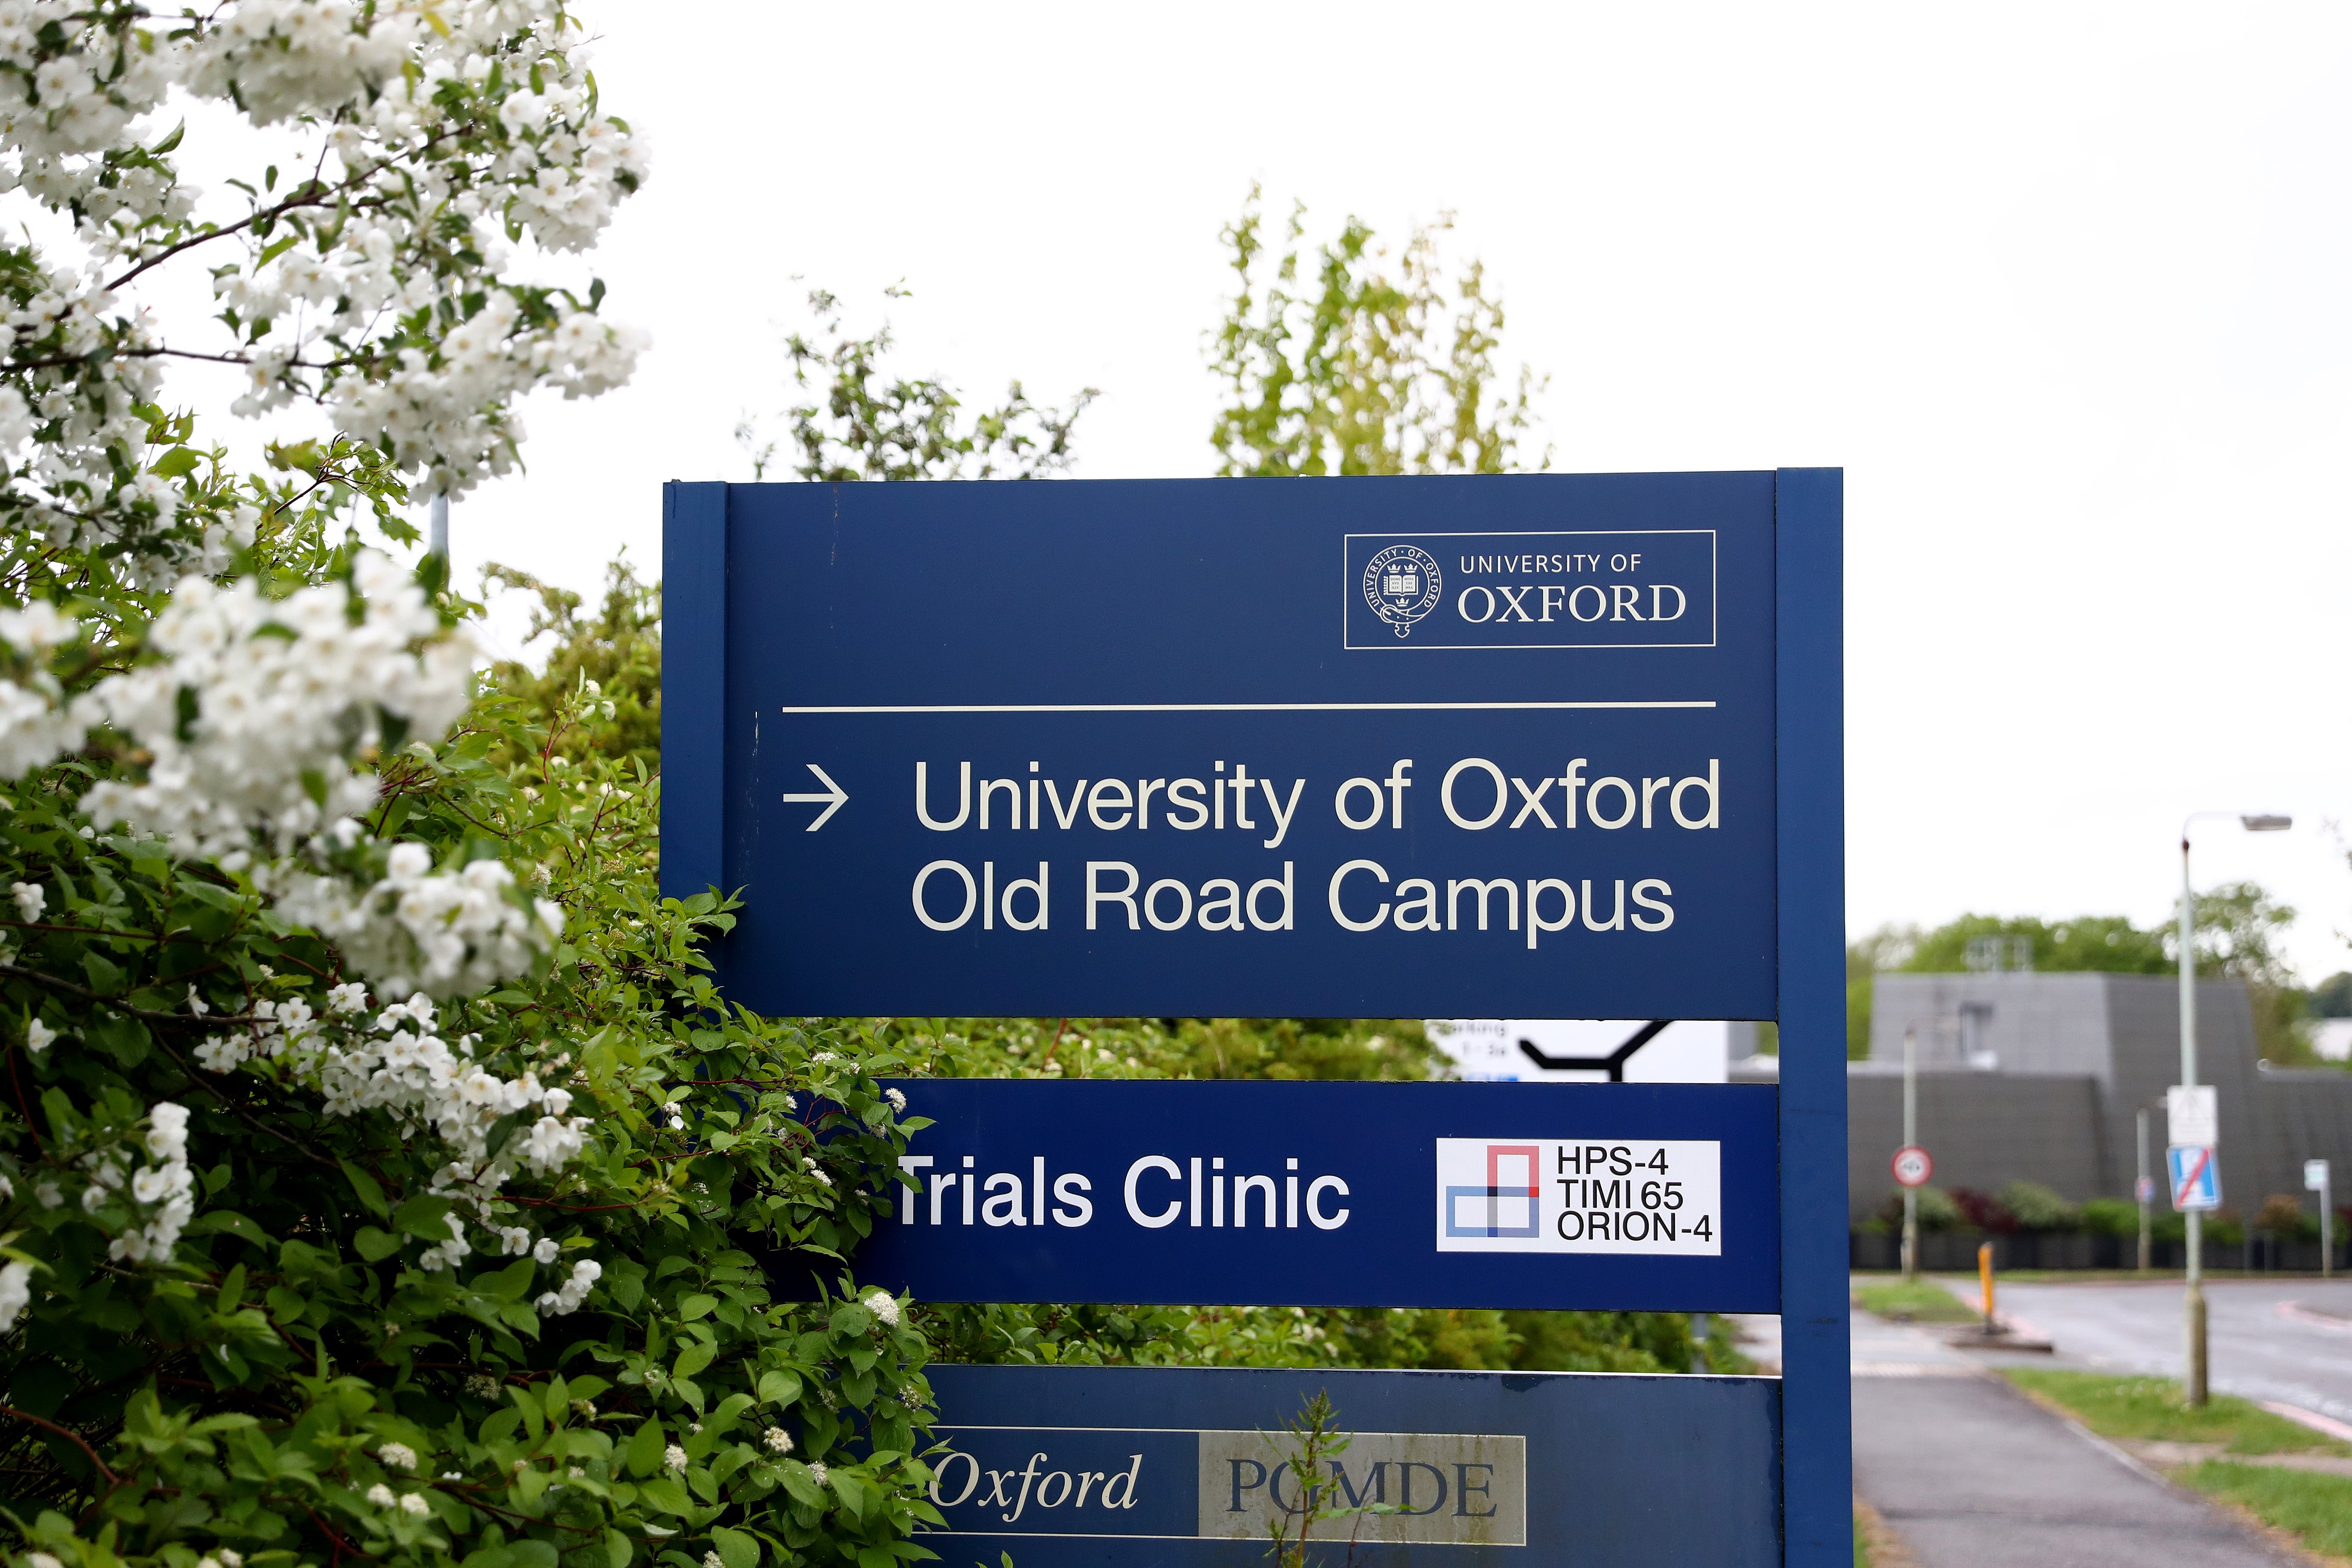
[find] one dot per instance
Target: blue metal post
(1816, 1434)
(694, 687)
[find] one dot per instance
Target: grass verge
(2314, 1510)
(1921, 1301)
(2149, 1410)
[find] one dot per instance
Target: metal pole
(2328, 1221)
(2140, 1192)
(437, 539)
(1910, 1138)
(2193, 1301)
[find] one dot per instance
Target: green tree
(2239, 929)
(864, 423)
(380, 1176)
(1351, 361)
(2332, 997)
(2108, 943)
(599, 693)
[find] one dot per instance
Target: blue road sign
(1151, 1468)
(1424, 747)
(1537, 746)
(2195, 1176)
(1635, 1196)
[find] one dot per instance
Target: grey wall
(2075, 1057)
(1985, 1131)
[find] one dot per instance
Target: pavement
(1972, 1474)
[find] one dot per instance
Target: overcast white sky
(2063, 290)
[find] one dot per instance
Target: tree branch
(70, 1435)
(148, 1015)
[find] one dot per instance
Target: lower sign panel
(1618, 1196)
(1189, 1469)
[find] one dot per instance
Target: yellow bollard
(1984, 1274)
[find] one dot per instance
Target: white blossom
(779, 1441)
(382, 1495)
(817, 1473)
(414, 1503)
(283, 692)
(674, 1457)
(30, 900)
(898, 1100)
(566, 1298)
(15, 1293)
(38, 1037)
(398, 1456)
(884, 1307)
(165, 1189)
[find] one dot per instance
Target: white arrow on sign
(832, 800)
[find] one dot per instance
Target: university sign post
(1540, 746)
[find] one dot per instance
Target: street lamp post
(1911, 1137)
(2143, 1190)
(2193, 1301)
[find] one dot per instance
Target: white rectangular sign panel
(1546, 1194)
(2193, 1114)
(2315, 1175)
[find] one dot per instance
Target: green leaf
(508, 1284)
(213, 1221)
(232, 1287)
(694, 1307)
(666, 1493)
(528, 1553)
(365, 1188)
(645, 1450)
(777, 1386)
(124, 1039)
(175, 463)
(617, 1549)
(736, 1549)
(374, 1244)
(423, 1216)
(693, 1359)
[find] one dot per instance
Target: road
(2267, 1339)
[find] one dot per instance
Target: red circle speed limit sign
(1912, 1167)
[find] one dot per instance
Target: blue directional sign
(1497, 746)
(1151, 1468)
(1547, 746)
(1636, 1197)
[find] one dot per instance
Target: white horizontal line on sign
(1209, 706)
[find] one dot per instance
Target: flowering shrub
(379, 1173)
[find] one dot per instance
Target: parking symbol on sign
(2196, 1179)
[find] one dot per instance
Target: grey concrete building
(2038, 1077)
